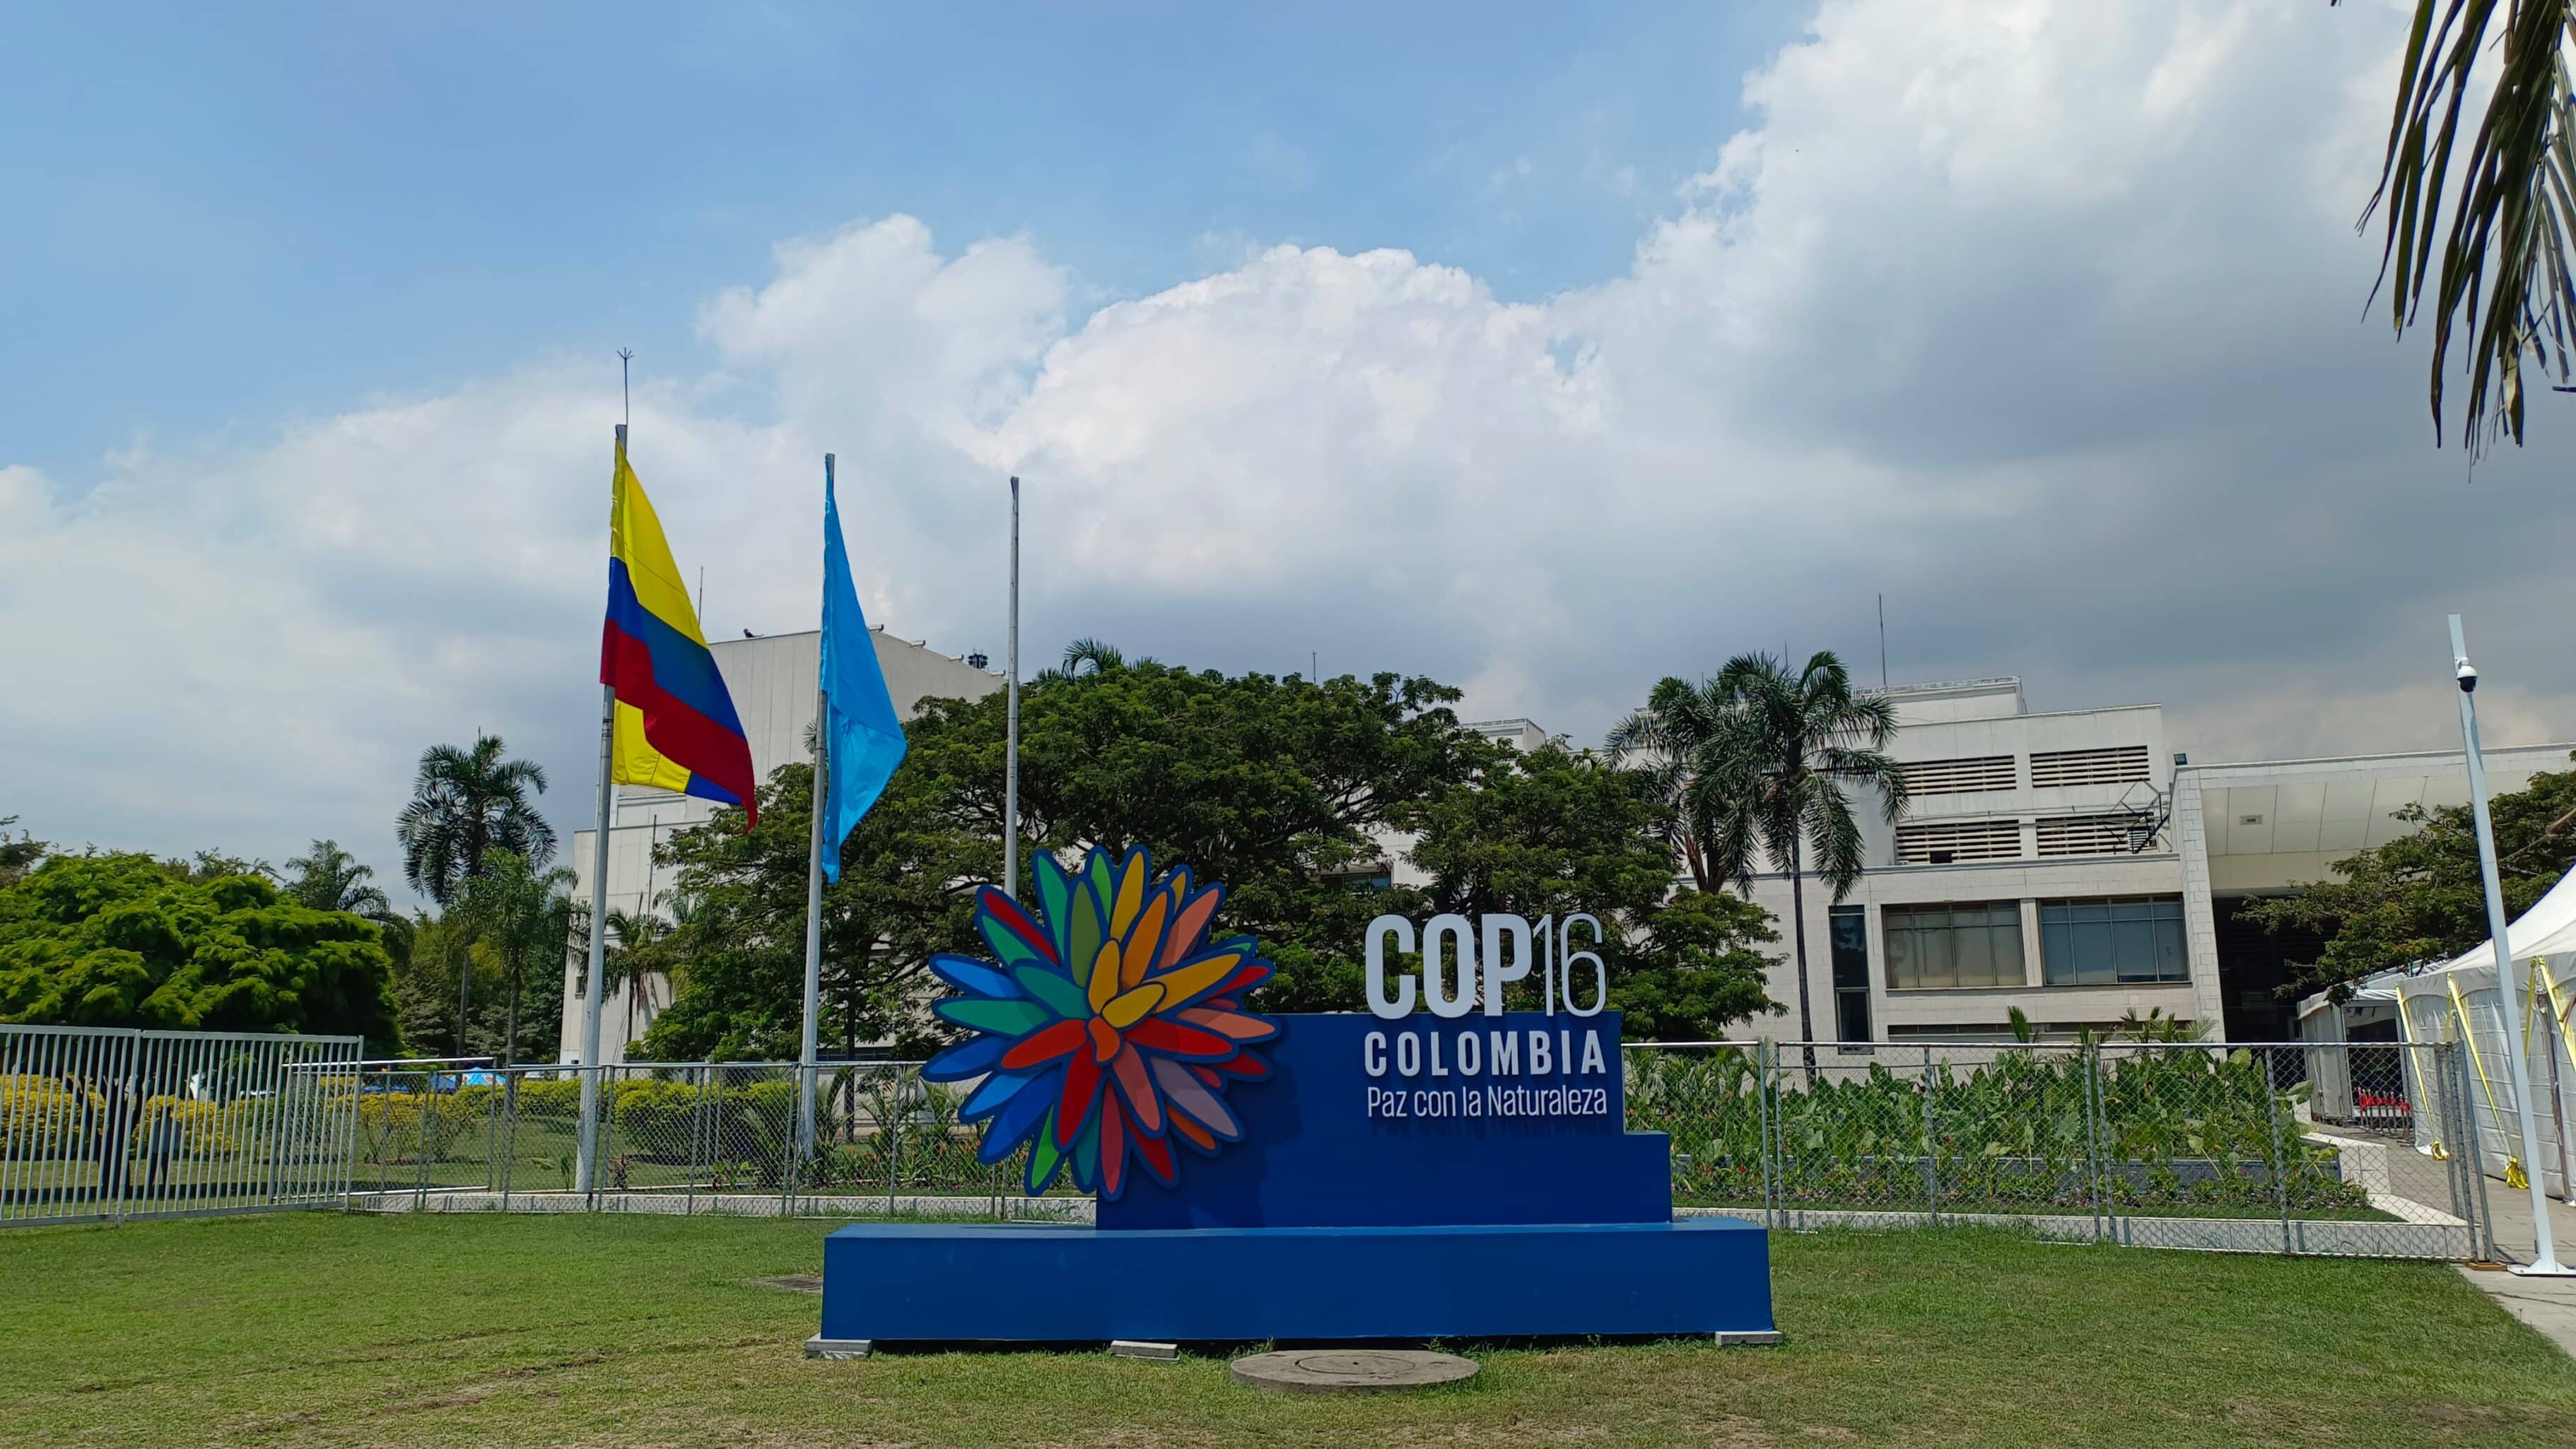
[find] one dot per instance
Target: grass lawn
(446, 1331)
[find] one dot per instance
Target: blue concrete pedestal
(1038, 1283)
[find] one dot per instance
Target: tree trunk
(510, 1031)
(464, 989)
(1798, 934)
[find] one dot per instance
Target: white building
(2070, 865)
(773, 680)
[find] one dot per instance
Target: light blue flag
(862, 739)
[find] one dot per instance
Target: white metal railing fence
(2340, 1149)
(103, 1124)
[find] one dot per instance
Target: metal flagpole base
(2545, 1268)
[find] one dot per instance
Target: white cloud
(2045, 318)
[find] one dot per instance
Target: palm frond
(2503, 273)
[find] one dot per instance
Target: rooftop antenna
(1882, 642)
(624, 396)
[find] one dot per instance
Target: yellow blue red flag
(676, 727)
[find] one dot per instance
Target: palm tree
(465, 803)
(522, 915)
(629, 957)
(1671, 740)
(1786, 746)
(1094, 656)
(328, 878)
(2512, 221)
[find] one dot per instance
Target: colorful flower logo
(1108, 1027)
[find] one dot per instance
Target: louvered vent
(1943, 842)
(2115, 766)
(2087, 834)
(1959, 777)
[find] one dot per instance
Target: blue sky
(234, 215)
(1542, 350)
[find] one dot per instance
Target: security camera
(2468, 678)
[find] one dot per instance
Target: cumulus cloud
(2042, 316)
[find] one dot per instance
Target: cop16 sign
(1466, 963)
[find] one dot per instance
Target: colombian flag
(676, 729)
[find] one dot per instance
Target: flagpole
(591, 992)
(1011, 742)
(814, 887)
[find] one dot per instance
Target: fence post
(894, 1143)
(2280, 1160)
(2472, 1153)
(1762, 1097)
(2096, 1170)
(1931, 1143)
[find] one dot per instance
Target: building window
(1851, 973)
(2127, 939)
(1948, 842)
(1973, 944)
(1959, 777)
(2056, 769)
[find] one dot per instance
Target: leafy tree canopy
(1551, 832)
(1287, 790)
(19, 854)
(736, 955)
(124, 940)
(2418, 898)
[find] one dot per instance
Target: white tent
(2457, 1001)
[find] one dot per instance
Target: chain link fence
(686, 1137)
(2355, 1149)
(106, 1124)
(2358, 1149)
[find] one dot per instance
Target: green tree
(436, 951)
(19, 856)
(1552, 832)
(634, 953)
(736, 949)
(1277, 787)
(328, 878)
(522, 918)
(2505, 229)
(125, 940)
(1787, 748)
(1694, 968)
(1671, 740)
(2419, 897)
(464, 803)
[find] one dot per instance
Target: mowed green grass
(318, 1328)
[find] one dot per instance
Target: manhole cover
(1350, 1370)
(792, 1282)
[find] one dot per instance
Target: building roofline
(2400, 756)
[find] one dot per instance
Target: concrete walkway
(2547, 1304)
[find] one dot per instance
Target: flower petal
(1235, 1025)
(1051, 988)
(1173, 1039)
(975, 978)
(1190, 925)
(1129, 1007)
(970, 1058)
(1004, 1018)
(1060, 1039)
(1144, 1108)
